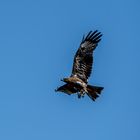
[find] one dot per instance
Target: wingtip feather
(93, 36)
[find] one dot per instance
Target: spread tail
(94, 91)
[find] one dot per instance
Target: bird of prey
(82, 67)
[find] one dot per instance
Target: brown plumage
(82, 67)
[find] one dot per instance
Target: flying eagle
(82, 67)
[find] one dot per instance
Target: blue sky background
(38, 40)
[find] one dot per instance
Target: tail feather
(94, 91)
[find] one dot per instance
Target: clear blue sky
(38, 40)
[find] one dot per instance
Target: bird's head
(65, 80)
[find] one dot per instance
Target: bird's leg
(79, 95)
(82, 93)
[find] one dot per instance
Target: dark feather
(83, 59)
(67, 88)
(94, 91)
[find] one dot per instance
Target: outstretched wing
(83, 59)
(67, 88)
